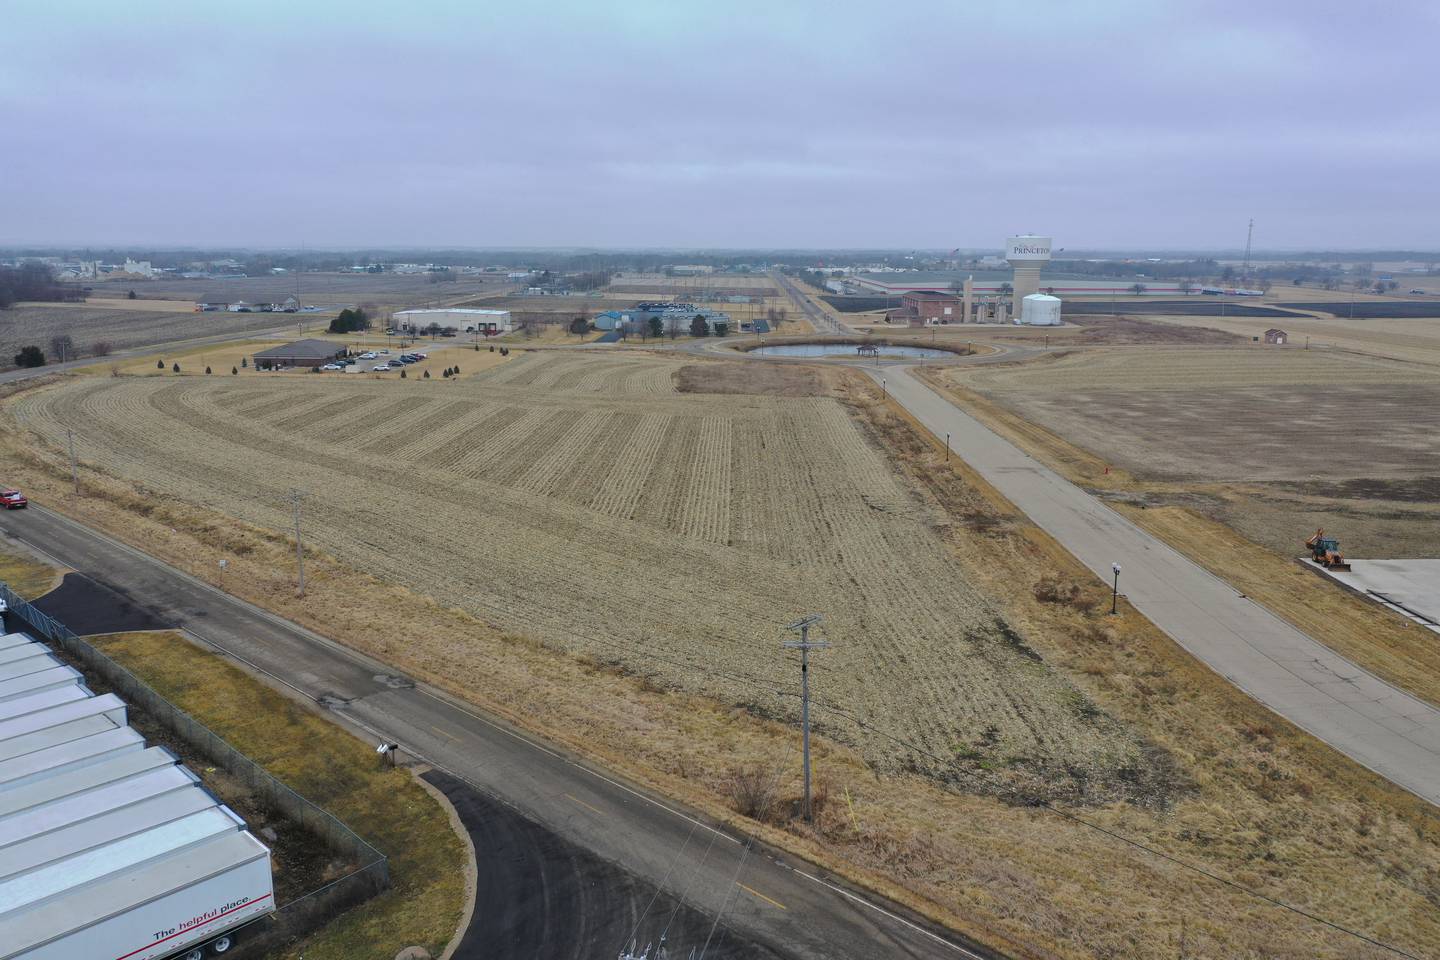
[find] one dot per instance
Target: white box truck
(110, 850)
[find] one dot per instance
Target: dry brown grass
(24, 574)
(1251, 798)
(1373, 637)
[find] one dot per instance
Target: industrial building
(109, 848)
(614, 319)
(490, 323)
(301, 353)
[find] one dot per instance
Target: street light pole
(805, 645)
(1115, 589)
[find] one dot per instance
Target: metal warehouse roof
(39, 680)
(303, 350)
(471, 311)
(38, 660)
(92, 822)
(12, 639)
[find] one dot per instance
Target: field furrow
(570, 497)
(617, 493)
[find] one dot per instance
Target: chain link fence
(298, 916)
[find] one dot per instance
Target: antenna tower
(1249, 235)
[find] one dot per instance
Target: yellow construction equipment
(1326, 551)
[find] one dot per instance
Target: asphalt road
(543, 896)
(822, 321)
(1378, 725)
(652, 846)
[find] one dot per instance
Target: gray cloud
(674, 124)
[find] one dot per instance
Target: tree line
(35, 281)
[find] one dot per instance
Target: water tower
(1027, 255)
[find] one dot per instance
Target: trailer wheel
(197, 954)
(222, 944)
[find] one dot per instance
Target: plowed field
(582, 501)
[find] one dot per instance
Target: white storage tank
(1040, 310)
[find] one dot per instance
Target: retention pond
(850, 350)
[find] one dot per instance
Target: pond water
(847, 350)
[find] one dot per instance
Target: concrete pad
(1409, 587)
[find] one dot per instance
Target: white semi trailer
(109, 850)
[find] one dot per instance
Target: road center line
(756, 893)
(595, 810)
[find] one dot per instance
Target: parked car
(332, 366)
(345, 362)
(380, 367)
(1417, 290)
(13, 499)
(368, 355)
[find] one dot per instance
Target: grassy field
(336, 770)
(1410, 340)
(321, 289)
(88, 326)
(25, 575)
(223, 358)
(1236, 456)
(928, 816)
(1246, 413)
(124, 303)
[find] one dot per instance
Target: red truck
(13, 499)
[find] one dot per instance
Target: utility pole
(74, 468)
(295, 498)
(1249, 235)
(947, 448)
(805, 645)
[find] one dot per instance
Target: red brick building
(921, 308)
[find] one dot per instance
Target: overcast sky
(669, 123)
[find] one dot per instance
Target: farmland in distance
(35, 324)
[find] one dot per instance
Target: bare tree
(62, 347)
(102, 348)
